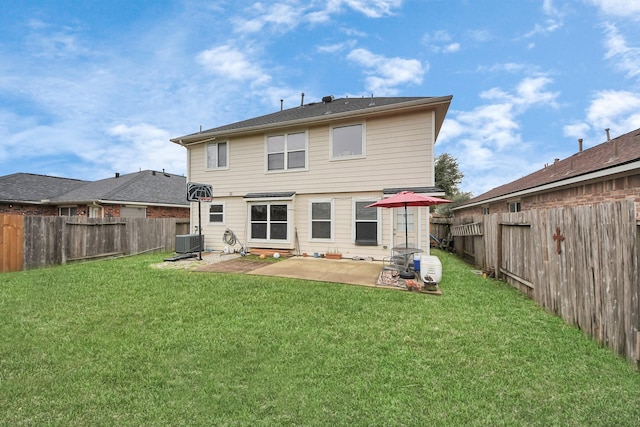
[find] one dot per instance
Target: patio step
(285, 253)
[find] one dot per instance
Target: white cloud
(487, 140)
(530, 91)
(625, 58)
(618, 111)
(280, 17)
(479, 35)
(621, 8)
(576, 130)
(553, 22)
(549, 8)
(285, 16)
(54, 42)
(385, 74)
(451, 48)
(374, 8)
(337, 47)
(232, 64)
(510, 67)
(549, 26)
(440, 42)
(137, 139)
(615, 109)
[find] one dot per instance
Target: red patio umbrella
(407, 198)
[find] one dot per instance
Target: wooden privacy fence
(580, 263)
(39, 241)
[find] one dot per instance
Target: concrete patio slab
(321, 269)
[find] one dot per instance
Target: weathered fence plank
(11, 247)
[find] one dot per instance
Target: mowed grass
(120, 343)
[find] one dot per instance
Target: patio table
(402, 260)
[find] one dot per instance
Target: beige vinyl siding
(399, 152)
(236, 217)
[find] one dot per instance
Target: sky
(90, 88)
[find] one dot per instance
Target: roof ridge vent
(327, 99)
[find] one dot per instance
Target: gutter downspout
(96, 204)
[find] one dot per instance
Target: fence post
(636, 316)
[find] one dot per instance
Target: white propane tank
(430, 266)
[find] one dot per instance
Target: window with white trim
(287, 151)
(216, 213)
(515, 207)
(217, 155)
(347, 142)
(269, 221)
(365, 224)
(68, 211)
(321, 220)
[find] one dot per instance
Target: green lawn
(119, 343)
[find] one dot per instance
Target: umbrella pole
(406, 228)
(407, 274)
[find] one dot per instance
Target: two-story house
(300, 179)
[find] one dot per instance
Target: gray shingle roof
(315, 110)
(140, 187)
(28, 187)
(618, 151)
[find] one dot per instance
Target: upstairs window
(287, 151)
(217, 155)
(347, 142)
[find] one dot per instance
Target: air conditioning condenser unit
(187, 243)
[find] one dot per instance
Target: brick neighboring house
(145, 194)
(607, 172)
(29, 194)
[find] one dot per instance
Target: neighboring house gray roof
(145, 187)
(32, 188)
(616, 155)
(321, 111)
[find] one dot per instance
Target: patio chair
(400, 262)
